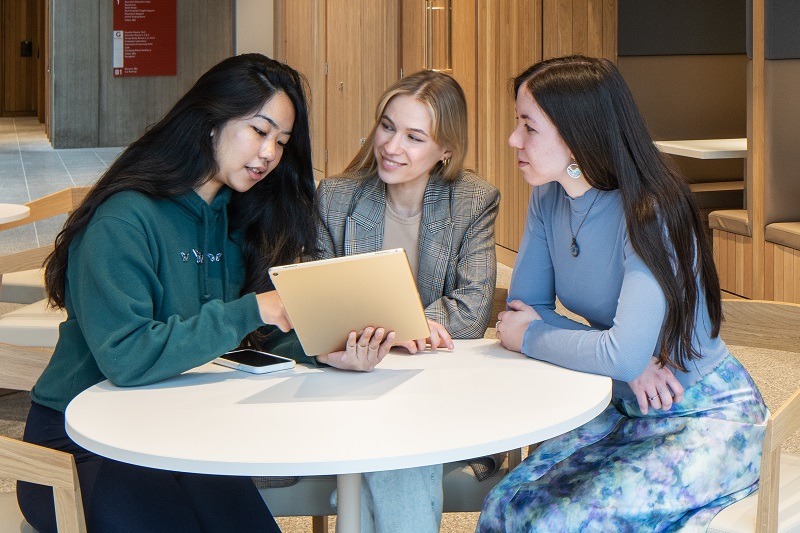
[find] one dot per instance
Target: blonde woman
(406, 188)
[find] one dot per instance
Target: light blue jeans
(401, 501)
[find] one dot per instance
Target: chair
(462, 491)
(29, 334)
(35, 464)
(774, 507)
(21, 278)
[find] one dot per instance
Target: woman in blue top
(613, 233)
(163, 268)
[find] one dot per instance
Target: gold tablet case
(327, 299)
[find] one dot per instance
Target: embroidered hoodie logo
(198, 256)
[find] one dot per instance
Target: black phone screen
(253, 358)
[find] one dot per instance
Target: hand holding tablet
(326, 300)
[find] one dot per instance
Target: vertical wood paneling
(580, 26)
(465, 69)
(731, 241)
(777, 266)
(740, 261)
(413, 35)
(586, 27)
(788, 274)
(756, 147)
(305, 51)
(380, 55)
(747, 253)
(796, 278)
(510, 33)
(609, 37)
(343, 107)
(769, 271)
(733, 260)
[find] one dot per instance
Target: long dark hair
(176, 155)
(591, 106)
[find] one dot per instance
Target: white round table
(410, 411)
(13, 212)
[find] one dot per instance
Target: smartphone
(254, 361)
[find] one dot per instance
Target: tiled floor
(30, 168)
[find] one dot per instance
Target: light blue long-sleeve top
(607, 283)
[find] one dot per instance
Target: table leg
(348, 505)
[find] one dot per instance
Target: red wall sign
(144, 38)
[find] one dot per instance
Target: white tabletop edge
(396, 386)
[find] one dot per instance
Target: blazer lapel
(364, 226)
(435, 240)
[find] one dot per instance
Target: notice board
(144, 36)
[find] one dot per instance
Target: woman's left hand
(513, 323)
(439, 338)
(656, 386)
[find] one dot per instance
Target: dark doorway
(21, 57)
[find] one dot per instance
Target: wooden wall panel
(586, 27)
(343, 106)
(510, 38)
(733, 256)
(781, 273)
(464, 56)
(379, 35)
(305, 51)
(465, 69)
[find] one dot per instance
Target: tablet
(327, 299)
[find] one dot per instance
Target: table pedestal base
(348, 503)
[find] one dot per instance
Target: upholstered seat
(24, 287)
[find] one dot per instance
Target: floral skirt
(623, 472)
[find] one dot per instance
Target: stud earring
(445, 161)
(574, 171)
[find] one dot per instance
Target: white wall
(254, 26)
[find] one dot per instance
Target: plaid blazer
(457, 264)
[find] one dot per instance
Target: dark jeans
(123, 497)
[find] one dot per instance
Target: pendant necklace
(574, 249)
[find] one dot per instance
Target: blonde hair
(445, 100)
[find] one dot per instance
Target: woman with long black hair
(162, 268)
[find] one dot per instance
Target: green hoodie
(152, 290)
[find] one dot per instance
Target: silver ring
(651, 398)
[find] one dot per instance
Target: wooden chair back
(772, 325)
(59, 203)
(27, 462)
(21, 366)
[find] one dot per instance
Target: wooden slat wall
(510, 37)
(305, 51)
(733, 256)
(781, 273)
(580, 27)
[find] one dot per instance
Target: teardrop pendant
(574, 250)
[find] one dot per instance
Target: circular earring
(574, 171)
